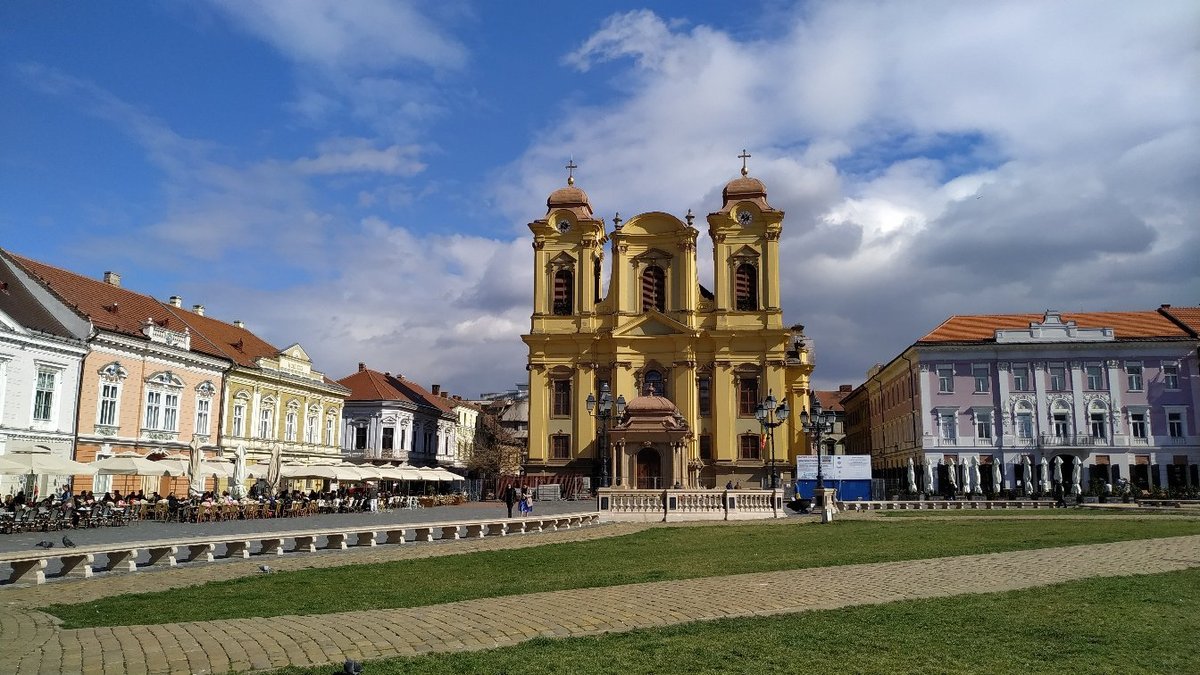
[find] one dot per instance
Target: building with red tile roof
(160, 377)
(389, 417)
(42, 346)
(1062, 402)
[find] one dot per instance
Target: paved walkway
(31, 643)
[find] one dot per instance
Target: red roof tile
(982, 327)
(831, 400)
(372, 385)
(1187, 316)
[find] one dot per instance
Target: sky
(357, 176)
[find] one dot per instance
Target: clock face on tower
(562, 224)
(744, 217)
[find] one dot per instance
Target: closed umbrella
(912, 476)
(1058, 470)
(196, 477)
(1076, 476)
(275, 468)
(997, 476)
(238, 487)
(951, 472)
(1045, 475)
(975, 477)
(928, 476)
(1028, 474)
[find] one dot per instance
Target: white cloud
(933, 159)
(357, 155)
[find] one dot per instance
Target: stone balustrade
(939, 504)
(617, 504)
(79, 562)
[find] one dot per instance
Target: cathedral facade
(685, 367)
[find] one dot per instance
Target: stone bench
(80, 561)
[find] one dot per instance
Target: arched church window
(654, 289)
(653, 384)
(564, 296)
(746, 288)
(596, 274)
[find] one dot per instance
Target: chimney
(437, 390)
(175, 301)
(198, 309)
(361, 366)
(239, 323)
(846, 388)
(444, 395)
(112, 279)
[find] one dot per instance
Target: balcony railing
(1071, 441)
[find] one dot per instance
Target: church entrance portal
(649, 469)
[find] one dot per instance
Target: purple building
(1037, 403)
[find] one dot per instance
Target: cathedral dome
(744, 187)
(644, 406)
(571, 198)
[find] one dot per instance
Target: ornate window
(162, 401)
(1020, 378)
(747, 395)
(561, 403)
(745, 287)
(312, 432)
(1170, 375)
(239, 413)
(564, 293)
(204, 395)
(1095, 377)
(388, 440)
(653, 383)
(1024, 420)
(749, 446)
(1058, 377)
(945, 379)
(704, 386)
(982, 377)
(360, 435)
(110, 399)
(330, 429)
(983, 424)
(560, 446)
(1133, 373)
(289, 424)
(266, 419)
(43, 396)
(654, 289)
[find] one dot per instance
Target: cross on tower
(744, 156)
(570, 167)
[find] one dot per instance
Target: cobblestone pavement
(30, 642)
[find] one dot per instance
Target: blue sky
(356, 176)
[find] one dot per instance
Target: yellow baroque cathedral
(690, 366)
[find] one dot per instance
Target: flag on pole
(762, 441)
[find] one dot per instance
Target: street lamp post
(770, 415)
(602, 410)
(816, 426)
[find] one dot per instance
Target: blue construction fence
(847, 490)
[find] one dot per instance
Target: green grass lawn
(1138, 624)
(652, 555)
(1020, 513)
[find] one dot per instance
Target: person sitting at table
(107, 499)
(155, 497)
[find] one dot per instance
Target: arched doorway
(649, 469)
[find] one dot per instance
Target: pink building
(1059, 401)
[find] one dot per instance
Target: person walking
(510, 498)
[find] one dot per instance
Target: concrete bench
(161, 555)
(449, 531)
(271, 546)
(365, 538)
(395, 535)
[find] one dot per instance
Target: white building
(41, 352)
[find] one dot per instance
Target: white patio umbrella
(928, 476)
(912, 476)
(275, 468)
(1076, 476)
(449, 475)
(1045, 474)
(130, 464)
(951, 472)
(327, 471)
(1058, 470)
(195, 474)
(976, 479)
(23, 463)
(1028, 474)
(997, 476)
(432, 475)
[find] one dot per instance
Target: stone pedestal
(825, 497)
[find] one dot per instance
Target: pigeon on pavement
(352, 667)
(67, 542)
(45, 544)
(265, 569)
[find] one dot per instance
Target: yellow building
(693, 365)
